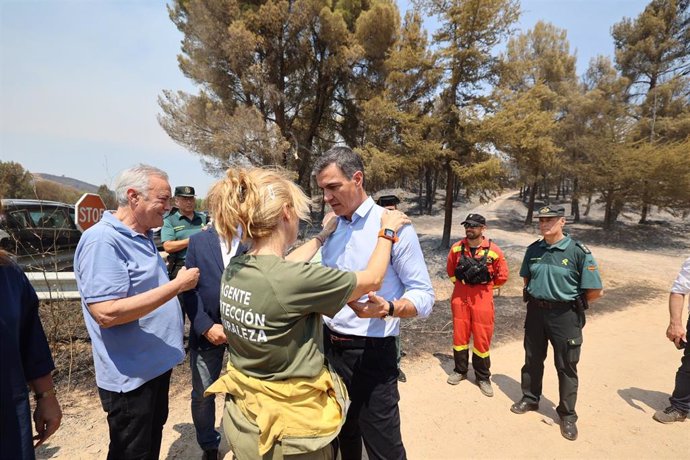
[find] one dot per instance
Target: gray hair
(344, 158)
(137, 178)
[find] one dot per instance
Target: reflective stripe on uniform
(494, 255)
(479, 353)
(461, 347)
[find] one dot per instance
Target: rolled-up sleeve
(408, 262)
(682, 283)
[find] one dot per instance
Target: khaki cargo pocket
(574, 348)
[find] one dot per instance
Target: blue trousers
(680, 399)
(206, 366)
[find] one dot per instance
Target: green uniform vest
(561, 271)
(271, 312)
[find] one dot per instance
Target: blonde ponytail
(253, 200)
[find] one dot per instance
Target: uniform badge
(565, 261)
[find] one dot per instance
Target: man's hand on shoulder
(216, 335)
(187, 278)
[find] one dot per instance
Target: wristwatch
(388, 234)
(391, 311)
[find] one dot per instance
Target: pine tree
(537, 73)
(653, 53)
(467, 37)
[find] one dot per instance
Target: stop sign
(89, 210)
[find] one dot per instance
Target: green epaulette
(582, 246)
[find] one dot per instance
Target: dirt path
(627, 372)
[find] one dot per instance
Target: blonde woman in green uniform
(283, 400)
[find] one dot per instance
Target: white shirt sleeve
(682, 283)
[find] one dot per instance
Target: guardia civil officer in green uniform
(561, 279)
(179, 226)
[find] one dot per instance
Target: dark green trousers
(562, 326)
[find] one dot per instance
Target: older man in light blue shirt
(362, 350)
(132, 313)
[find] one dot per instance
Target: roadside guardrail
(54, 285)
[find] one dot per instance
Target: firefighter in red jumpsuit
(472, 301)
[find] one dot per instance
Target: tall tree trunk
(530, 206)
(608, 210)
(644, 213)
(617, 208)
(429, 180)
(644, 210)
(434, 188)
(448, 207)
(420, 193)
(575, 202)
(559, 182)
(456, 191)
(589, 205)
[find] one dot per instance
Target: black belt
(356, 341)
(549, 304)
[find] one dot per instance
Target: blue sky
(79, 80)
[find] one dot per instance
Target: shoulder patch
(582, 246)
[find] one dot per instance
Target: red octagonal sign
(89, 210)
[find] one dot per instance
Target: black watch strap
(391, 308)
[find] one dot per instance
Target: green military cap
(184, 190)
(551, 211)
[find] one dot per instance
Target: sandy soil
(627, 367)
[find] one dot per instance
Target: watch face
(389, 233)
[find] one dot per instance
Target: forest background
(471, 109)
